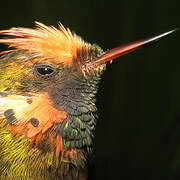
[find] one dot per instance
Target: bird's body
(48, 84)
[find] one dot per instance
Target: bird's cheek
(32, 116)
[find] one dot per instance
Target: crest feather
(60, 44)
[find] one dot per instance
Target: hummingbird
(49, 79)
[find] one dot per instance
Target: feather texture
(47, 42)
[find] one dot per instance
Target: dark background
(138, 132)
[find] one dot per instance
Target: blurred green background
(138, 132)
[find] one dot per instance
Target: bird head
(48, 83)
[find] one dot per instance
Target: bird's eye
(44, 70)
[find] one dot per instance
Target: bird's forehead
(57, 45)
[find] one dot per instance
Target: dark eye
(44, 70)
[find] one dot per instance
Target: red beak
(125, 49)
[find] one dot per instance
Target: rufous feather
(47, 42)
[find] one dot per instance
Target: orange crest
(47, 42)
